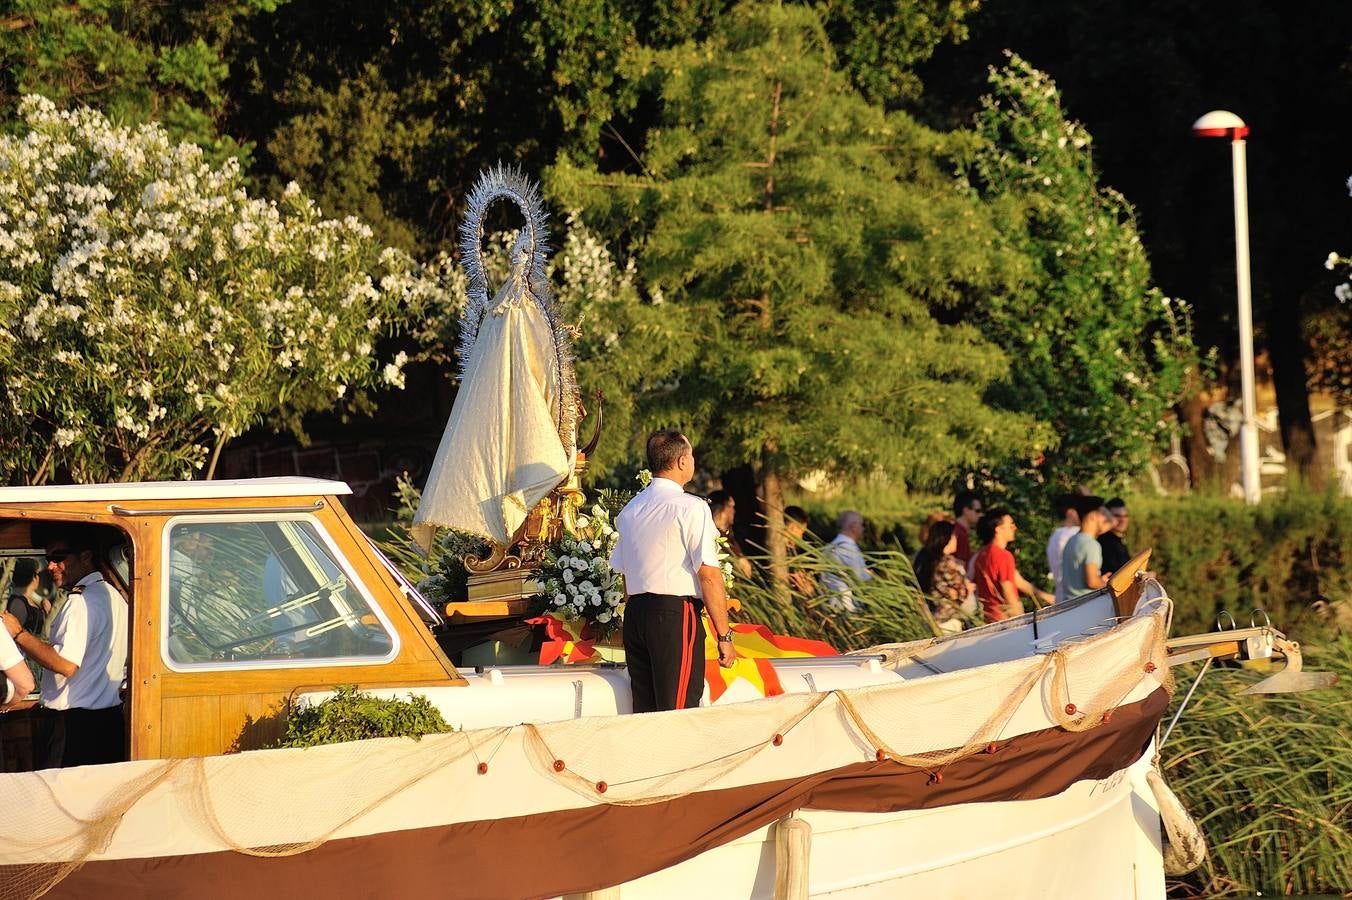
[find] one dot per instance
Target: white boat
(1015, 759)
(1014, 755)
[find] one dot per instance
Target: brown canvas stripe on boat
(576, 850)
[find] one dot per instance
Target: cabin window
(263, 594)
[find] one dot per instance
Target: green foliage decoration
(1096, 350)
(354, 715)
(439, 573)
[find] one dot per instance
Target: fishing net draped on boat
(283, 802)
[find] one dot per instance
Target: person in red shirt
(966, 514)
(997, 578)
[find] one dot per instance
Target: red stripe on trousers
(687, 643)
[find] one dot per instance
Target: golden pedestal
(506, 584)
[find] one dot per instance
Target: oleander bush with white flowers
(577, 578)
(150, 309)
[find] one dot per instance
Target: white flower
(603, 617)
(1343, 292)
(585, 547)
(586, 587)
(567, 576)
(1331, 262)
(560, 599)
(394, 372)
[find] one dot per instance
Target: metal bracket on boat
(1257, 642)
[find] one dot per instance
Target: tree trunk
(772, 506)
(772, 489)
(1199, 461)
(1287, 347)
(744, 487)
(215, 456)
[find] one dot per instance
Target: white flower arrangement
(578, 580)
(725, 564)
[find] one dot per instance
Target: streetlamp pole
(1226, 124)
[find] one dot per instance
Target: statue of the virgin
(511, 438)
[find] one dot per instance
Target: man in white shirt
(1056, 544)
(845, 548)
(668, 555)
(85, 660)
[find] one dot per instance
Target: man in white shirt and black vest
(85, 660)
(668, 555)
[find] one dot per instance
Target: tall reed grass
(1270, 781)
(890, 606)
(1269, 778)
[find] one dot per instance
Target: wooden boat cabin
(242, 594)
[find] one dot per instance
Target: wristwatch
(725, 638)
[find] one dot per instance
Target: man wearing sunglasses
(85, 660)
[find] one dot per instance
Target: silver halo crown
(503, 182)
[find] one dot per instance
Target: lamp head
(1220, 123)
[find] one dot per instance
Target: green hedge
(1215, 554)
(1211, 553)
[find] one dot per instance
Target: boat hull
(1023, 774)
(1098, 838)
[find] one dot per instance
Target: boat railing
(535, 669)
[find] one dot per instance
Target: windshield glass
(251, 591)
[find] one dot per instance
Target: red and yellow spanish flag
(756, 645)
(571, 640)
(574, 641)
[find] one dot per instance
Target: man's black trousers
(664, 649)
(80, 737)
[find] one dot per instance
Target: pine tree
(811, 242)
